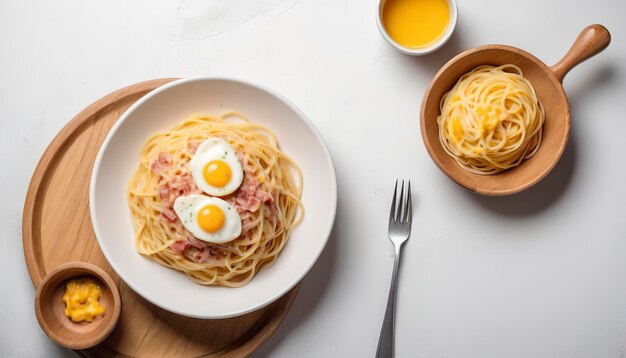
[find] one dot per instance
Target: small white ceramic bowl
(422, 50)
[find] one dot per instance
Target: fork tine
(392, 212)
(408, 211)
(400, 205)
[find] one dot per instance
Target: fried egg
(208, 219)
(215, 168)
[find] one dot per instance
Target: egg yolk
(211, 218)
(82, 300)
(217, 173)
(415, 23)
(489, 118)
(457, 130)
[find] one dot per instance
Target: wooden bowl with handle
(547, 82)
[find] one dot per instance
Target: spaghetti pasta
(163, 175)
(491, 120)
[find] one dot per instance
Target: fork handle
(386, 341)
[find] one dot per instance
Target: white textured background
(539, 274)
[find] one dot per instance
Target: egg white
(188, 207)
(216, 149)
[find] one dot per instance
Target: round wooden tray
(56, 228)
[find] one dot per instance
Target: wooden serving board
(56, 228)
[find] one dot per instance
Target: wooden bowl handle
(591, 41)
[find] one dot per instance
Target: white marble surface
(540, 274)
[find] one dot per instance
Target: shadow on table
(312, 290)
(538, 198)
(58, 351)
(550, 189)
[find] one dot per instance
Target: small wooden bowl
(547, 82)
(49, 307)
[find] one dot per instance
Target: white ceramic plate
(163, 108)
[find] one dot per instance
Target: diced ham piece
(193, 145)
(179, 247)
(166, 196)
(264, 196)
(207, 256)
(202, 256)
(183, 185)
(162, 164)
(250, 197)
(169, 214)
(249, 203)
(196, 243)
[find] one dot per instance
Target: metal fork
(399, 231)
